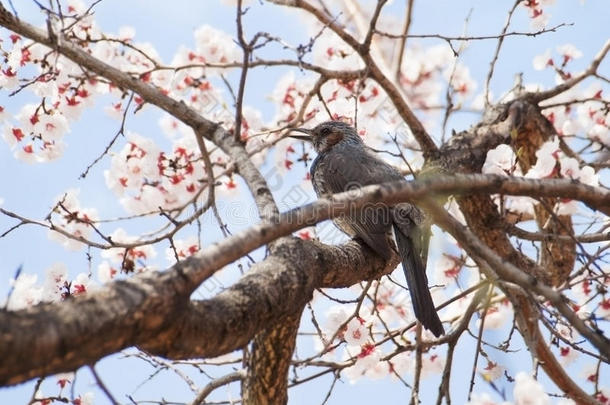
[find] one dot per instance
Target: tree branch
(140, 310)
(507, 272)
(568, 84)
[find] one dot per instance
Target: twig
(568, 84)
(496, 54)
(121, 131)
(219, 382)
(403, 40)
(479, 339)
(102, 386)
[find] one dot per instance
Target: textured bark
(267, 379)
(51, 338)
(523, 126)
(155, 312)
(557, 256)
(232, 318)
(466, 153)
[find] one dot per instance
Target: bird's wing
(337, 172)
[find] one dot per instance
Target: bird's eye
(325, 131)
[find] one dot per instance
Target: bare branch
(497, 51)
(508, 272)
(219, 382)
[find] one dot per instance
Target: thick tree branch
(148, 304)
(420, 134)
(232, 318)
(507, 272)
(155, 96)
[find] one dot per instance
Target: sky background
(31, 189)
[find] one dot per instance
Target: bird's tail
(415, 273)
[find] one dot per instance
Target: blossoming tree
(253, 287)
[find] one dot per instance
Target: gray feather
(343, 163)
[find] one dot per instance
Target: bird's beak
(306, 138)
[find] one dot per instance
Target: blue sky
(30, 189)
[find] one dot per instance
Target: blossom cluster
(551, 162)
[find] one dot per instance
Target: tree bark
(266, 380)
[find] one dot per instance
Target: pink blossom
(356, 333)
(73, 219)
(539, 19)
(569, 52)
(215, 46)
(432, 365)
(335, 317)
(569, 168)
(497, 315)
(492, 371)
(501, 160)
(528, 391)
(368, 357)
(483, 399)
(567, 355)
(600, 133)
(448, 268)
(25, 292)
(105, 272)
(542, 61)
(183, 248)
(546, 159)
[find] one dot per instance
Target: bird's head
(326, 135)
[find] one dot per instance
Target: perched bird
(344, 163)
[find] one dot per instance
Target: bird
(343, 163)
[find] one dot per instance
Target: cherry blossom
(215, 46)
(132, 259)
(448, 268)
(539, 19)
(603, 396)
(368, 357)
(492, 371)
(543, 61)
(501, 160)
(356, 332)
(484, 399)
(64, 379)
(589, 373)
(569, 52)
(25, 293)
(183, 249)
(497, 315)
(432, 364)
(600, 133)
(546, 160)
(87, 398)
(462, 83)
(105, 272)
(567, 355)
(566, 208)
(336, 317)
(331, 51)
(72, 219)
(528, 391)
(56, 278)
